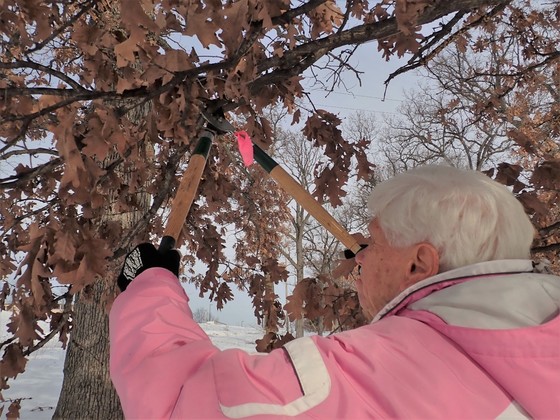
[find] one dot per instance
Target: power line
(357, 109)
(367, 96)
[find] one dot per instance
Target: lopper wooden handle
(186, 192)
(312, 206)
(306, 200)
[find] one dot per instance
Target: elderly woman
(461, 326)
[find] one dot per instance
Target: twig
(446, 29)
(87, 5)
(546, 248)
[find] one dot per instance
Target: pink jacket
(478, 342)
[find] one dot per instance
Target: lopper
(216, 124)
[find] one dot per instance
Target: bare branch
(84, 8)
(546, 248)
(18, 64)
(420, 59)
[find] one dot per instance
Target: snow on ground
(40, 384)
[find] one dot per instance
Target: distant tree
(202, 315)
(309, 249)
(302, 160)
(437, 124)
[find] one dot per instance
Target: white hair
(464, 214)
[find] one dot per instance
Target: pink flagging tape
(245, 147)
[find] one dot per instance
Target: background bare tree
(438, 122)
(310, 250)
(201, 315)
(302, 160)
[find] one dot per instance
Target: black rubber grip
(167, 244)
(203, 145)
(263, 159)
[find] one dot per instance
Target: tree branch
(372, 31)
(86, 6)
(15, 180)
(547, 229)
(546, 248)
(18, 64)
(287, 17)
(420, 60)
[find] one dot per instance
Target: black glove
(146, 256)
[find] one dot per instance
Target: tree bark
(87, 390)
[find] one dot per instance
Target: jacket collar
(450, 278)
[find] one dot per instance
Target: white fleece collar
(451, 277)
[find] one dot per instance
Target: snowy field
(40, 384)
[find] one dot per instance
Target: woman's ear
(424, 263)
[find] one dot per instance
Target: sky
(369, 96)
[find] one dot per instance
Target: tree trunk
(301, 220)
(87, 390)
(321, 325)
(270, 326)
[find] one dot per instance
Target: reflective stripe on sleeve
(513, 411)
(313, 377)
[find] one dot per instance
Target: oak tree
(69, 78)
